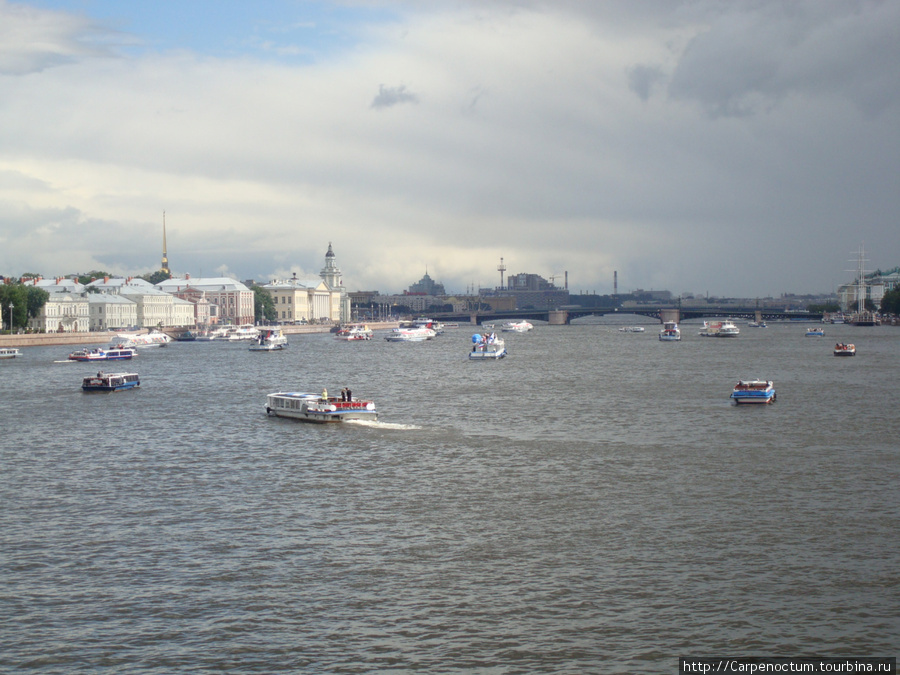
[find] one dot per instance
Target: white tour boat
(815, 332)
(117, 353)
(319, 407)
(246, 332)
(111, 382)
(487, 346)
(269, 340)
(753, 391)
(844, 349)
(719, 329)
(631, 329)
(140, 340)
(9, 353)
(517, 327)
(354, 331)
(670, 332)
(417, 334)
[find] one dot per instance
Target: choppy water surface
(592, 503)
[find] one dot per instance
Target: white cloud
(688, 147)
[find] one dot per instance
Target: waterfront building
(234, 302)
(111, 312)
(62, 313)
(154, 308)
(331, 275)
(204, 312)
(304, 301)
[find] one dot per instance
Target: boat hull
(752, 397)
(753, 392)
(479, 356)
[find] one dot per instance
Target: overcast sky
(732, 148)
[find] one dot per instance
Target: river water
(592, 503)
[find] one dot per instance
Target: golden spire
(165, 260)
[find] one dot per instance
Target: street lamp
(10, 317)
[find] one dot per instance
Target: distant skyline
(742, 149)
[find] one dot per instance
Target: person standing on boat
(349, 395)
(344, 394)
(324, 394)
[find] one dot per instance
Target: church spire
(165, 259)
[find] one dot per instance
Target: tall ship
(862, 316)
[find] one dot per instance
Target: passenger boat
(631, 329)
(425, 322)
(843, 349)
(487, 346)
(517, 326)
(354, 331)
(815, 332)
(9, 353)
(719, 329)
(756, 324)
(318, 408)
(753, 391)
(111, 382)
(153, 339)
(117, 353)
(246, 332)
(670, 332)
(417, 334)
(269, 340)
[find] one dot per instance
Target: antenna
(501, 268)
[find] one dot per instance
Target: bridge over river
(567, 315)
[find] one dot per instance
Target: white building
(304, 300)
(154, 308)
(235, 302)
(63, 313)
(111, 312)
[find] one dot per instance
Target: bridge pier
(669, 315)
(558, 317)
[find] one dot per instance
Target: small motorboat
(110, 382)
(9, 353)
(269, 340)
(815, 332)
(517, 326)
(844, 349)
(354, 331)
(753, 391)
(319, 407)
(670, 332)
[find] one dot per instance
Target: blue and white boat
(487, 346)
(815, 332)
(753, 391)
(118, 353)
(110, 382)
(670, 332)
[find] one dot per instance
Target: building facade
(111, 312)
(63, 313)
(233, 300)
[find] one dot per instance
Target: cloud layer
(733, 148)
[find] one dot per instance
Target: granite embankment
(104, 337)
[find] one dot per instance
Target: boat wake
(382, 425)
